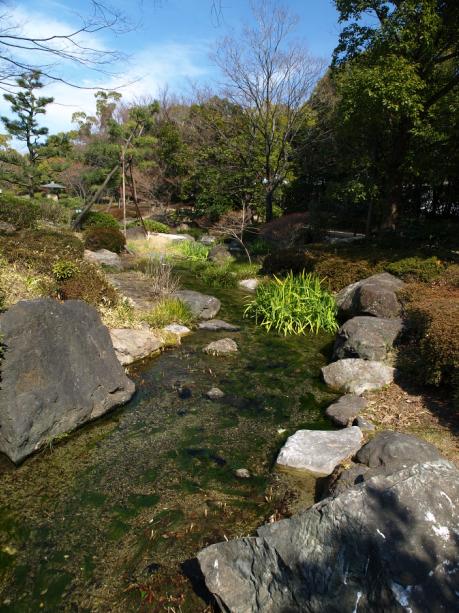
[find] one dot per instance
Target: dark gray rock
(385, 546)
(356, 376)
(395, 450)
(215, 325)
(369, 338)
(221, 254)
(376, 296)
(347, 479)
(201, 305)
(59, 371)
(345, 409)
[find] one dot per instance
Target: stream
(105, 519)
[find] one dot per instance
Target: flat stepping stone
(217, 324)
(356, 376)
(223, 346)
(136, 287)
(132, 345)
(105, 257)
(177, 329)
(201, 306)
(343, 412)
(319, 452)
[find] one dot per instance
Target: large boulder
(356, 376)
(201, 305)
(59, 371)
(395, 450)
(386, 453)
(376, 296)
(319, 452)
(343, 412)
(132, 345)
(369, 338)
(386, 546)
(105, 257)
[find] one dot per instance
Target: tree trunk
(269, 205)
(77, 222)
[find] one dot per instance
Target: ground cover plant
(100, 237)
(168, 310)
(296, 304)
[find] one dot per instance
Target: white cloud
(147, 72)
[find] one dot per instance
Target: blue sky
(170, 44)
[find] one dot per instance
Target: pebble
(242, 473)
(215, 393)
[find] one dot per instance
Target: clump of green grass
(192, 251)
(168, 311)
(294, 305)
(214, 275)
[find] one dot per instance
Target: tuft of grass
(294, 305)
(191, 250)
(163, 282)
(121, 315)
(168, 311)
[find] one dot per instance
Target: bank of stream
(104, 520)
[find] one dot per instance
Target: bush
(168, 311)
(190, 250)
(88, 284)
(433, 314)
(155, 226)
(64, 269)
(287, 260)
(41, 249)
(416, 269)
(218, 276)
(21, 212)
(338, 272)
(294, 305)
(290, 230)
(96, 238)
(258, 247)
(53, 211)
(97, 219)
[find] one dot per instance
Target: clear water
(103, 520)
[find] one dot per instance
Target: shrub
(88, 284)
(290, 230)
(104, 238)
(338, 272)
(64, 269)
(41, 249)
(416, 268)
(155, 226)
(97, 219)
(218, 276)
(294, 305)
(190, 250)
(287, 260)
(168, 311)
(21, 212)
(53, 211)
(258, 247)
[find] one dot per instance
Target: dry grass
(19, 283)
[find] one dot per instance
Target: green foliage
(21, 212)
(294, 305)
(64, 269)
(96, 238)
(259, 247)
(416, 268)
(97, 219)
(88, 284)
(215, 275)
(168, 311)
(155, 226)
(53, 211)
(192, 251)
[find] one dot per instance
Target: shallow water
(103, 520)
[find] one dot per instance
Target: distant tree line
(368, 143)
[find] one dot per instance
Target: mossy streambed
(103, 520)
